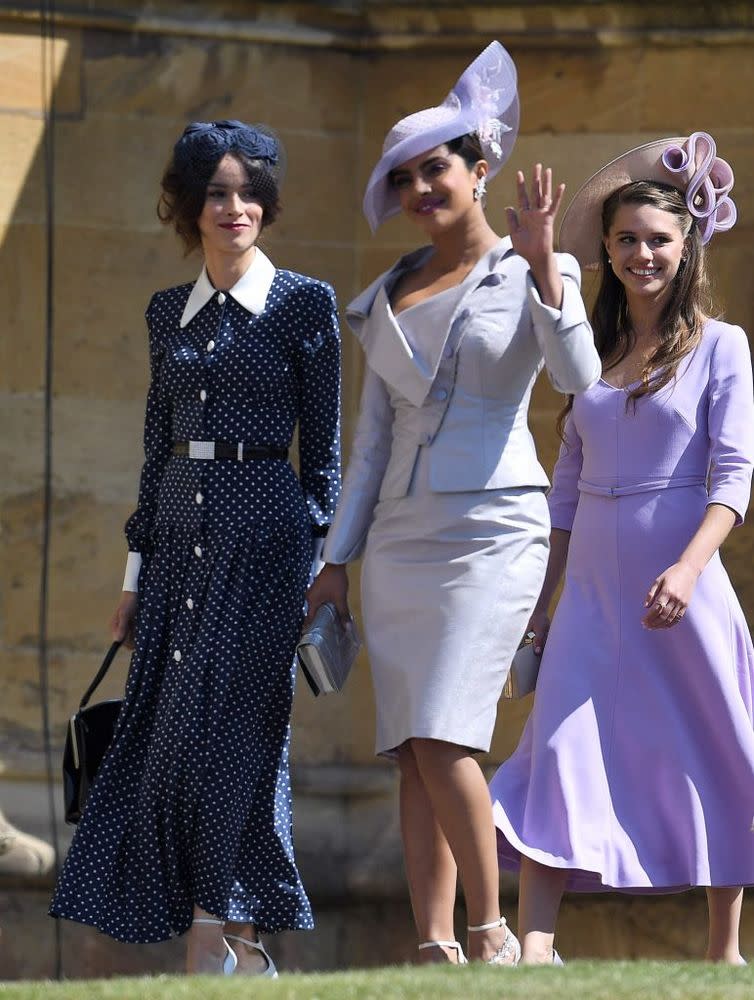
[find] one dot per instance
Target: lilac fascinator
(689, 163)
(708, 180)
(203, 144)
(484, 100)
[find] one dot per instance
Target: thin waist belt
(208, 450)
(670, 483)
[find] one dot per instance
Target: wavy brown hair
(184, 191)
(688, 306)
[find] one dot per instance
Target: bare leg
(724, 906)
(206, 949)
(430, 867)
(540, 892)
(461, 803)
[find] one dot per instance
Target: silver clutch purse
(522, 676)
(326, 650)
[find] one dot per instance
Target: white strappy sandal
(456, 945)
(270, 972)
(509, 952)
(230, 961)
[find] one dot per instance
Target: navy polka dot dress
(192, 804)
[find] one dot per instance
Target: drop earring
(480, 189)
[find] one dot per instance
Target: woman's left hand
(532, 227)
(669, 596)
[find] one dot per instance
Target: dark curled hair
(184, 192)
(688, 305)
(468, 147)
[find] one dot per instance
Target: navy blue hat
(203, 145)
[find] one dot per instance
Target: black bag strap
(109, 657)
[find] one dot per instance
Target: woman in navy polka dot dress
(188, 825)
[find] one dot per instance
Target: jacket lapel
(389, 354)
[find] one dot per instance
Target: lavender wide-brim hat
(484, 101)
(689, 163)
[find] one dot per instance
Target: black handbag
(90, 733)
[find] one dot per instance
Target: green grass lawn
(578, 981)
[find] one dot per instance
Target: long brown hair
(682, 320)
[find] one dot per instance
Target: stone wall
(331, 78)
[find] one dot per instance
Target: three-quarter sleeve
(319, 411)
(563, 495)
(370, 454)
(730, 422)
(564, 335)
(157, 447)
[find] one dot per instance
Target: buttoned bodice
(448, 383)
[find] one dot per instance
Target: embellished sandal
(509, 952)
(231, 960)
(461, 958)
(270, 972)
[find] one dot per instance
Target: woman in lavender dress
(636, 768)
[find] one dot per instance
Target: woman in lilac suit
(636, 768)
(444, 494)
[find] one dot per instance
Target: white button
(189, 604)
(211, 345)
(199, 498)
(440, 394)
(198, 551)
(203, 395)
(177, 655)
(221, 297)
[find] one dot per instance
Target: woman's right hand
(123, 620)
(539, 624)
(330, 585)
(532, 224)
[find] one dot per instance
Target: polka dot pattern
(192, 804)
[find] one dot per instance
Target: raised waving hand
(532, 230)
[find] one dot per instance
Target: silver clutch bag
(326, 651)
(522, 676)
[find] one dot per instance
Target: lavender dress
(636, 767)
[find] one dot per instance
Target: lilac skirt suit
(636, 767)
(444, 495)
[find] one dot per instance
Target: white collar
(250, 290)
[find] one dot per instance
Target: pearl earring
(481, 188)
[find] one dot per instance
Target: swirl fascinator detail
(690, 164)
(203, 144)
(484, 101)
(708, 181)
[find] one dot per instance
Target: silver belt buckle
(201, 449)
